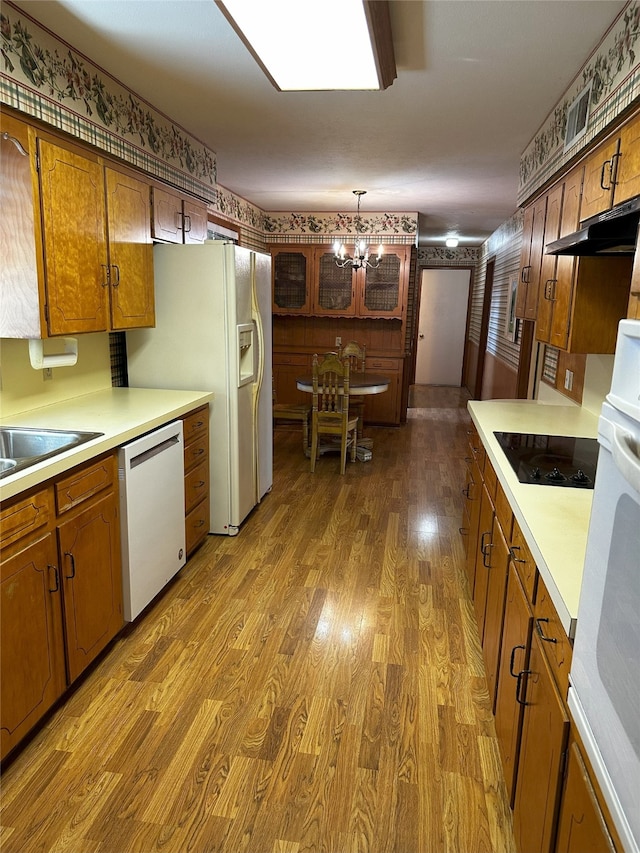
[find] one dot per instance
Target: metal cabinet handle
(513, 556)
(107, 275)
(550, 289)
(485, 548)
(179, 220)
(463, 531)
(524, 274)
(73, 565)
(200, 523)
(187, 222)
(614, 168)
(541, 633)
(117, 276)
(606, 163)
(512, 659)
(521, 676)
(200, 484)
(54, 569)
(465, 492)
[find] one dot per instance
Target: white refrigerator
(213, 333)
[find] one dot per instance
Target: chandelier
(361, 258)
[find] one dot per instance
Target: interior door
(444, 297)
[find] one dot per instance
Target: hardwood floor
(313, 684)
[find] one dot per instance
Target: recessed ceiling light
(294, 42)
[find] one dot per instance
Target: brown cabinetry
(196, 477)
(384, 408)
(177, 219)
(60, 567)
(612, 171)
(531, 259)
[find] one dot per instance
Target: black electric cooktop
(551, 460)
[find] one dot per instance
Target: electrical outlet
(568, 379)
(47, 373)
(338, 341)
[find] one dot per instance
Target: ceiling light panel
(294, 41)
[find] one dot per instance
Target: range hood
(613, 232)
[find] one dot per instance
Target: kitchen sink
(21, 447)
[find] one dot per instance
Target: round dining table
(360, 384)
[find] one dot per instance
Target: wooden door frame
(414, 342)
(484, 327)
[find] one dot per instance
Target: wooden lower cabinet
(196, 477)
(483, 556)
(545, 730)
(89, 545)
(32, 652)
(61, 600)
(498, 566)
(581, 827)
(514, 662)
(385, 408)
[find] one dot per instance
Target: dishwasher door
(151, 474)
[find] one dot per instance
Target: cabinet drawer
(196, 485)
(195, 423)
(554, 639)
(195, 452)
(84, 484)
(197, 525)
(490, 479)
(503, 511)
(25, 516)
(476, 447)
(523, 560)
(300, 359)
(387, 365)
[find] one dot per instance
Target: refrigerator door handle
(259, 375)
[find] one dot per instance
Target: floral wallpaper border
(614, 72)
(283, 226)
(462, 254)
(43, 76)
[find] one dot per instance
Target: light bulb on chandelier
(361, 257)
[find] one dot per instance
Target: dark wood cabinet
(176, 218)
(196, 477)
(531, 259)
(612, 170)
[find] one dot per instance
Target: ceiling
(476, 79)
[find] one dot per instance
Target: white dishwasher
(151, 475)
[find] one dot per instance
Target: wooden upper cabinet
(382, 291)
(176, 219)
(531, 259)
(334, 287)
(130, 251)
(612, 171)
(291, 279)
(21, 272)
(75, 243)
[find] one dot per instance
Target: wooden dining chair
(330, 409)
(356, 353)
(293, 412)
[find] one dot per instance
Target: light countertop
(554, 521)
(121, 414)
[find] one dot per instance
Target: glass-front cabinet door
(382, 291)
(334, 291)
(291, 275)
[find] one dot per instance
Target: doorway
(442, 323)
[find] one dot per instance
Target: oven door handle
(625, 456)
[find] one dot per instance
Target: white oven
(604, 693)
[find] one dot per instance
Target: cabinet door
(545, 730)
(475, 499)
(562, 293)
(89, 547)
(548, 265)
(286, 369)
(514, 660)
(628, 165)
(32, 652)
(494, 610)
(382, 291)
(76, 272)
(384, 408)
(581, 828)
(130, 251)
(21, 266)
(483, 557)
(166, 216)
(599, 174)
(291, 277)
(334, 290)
(195, 220)
(527, 295)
